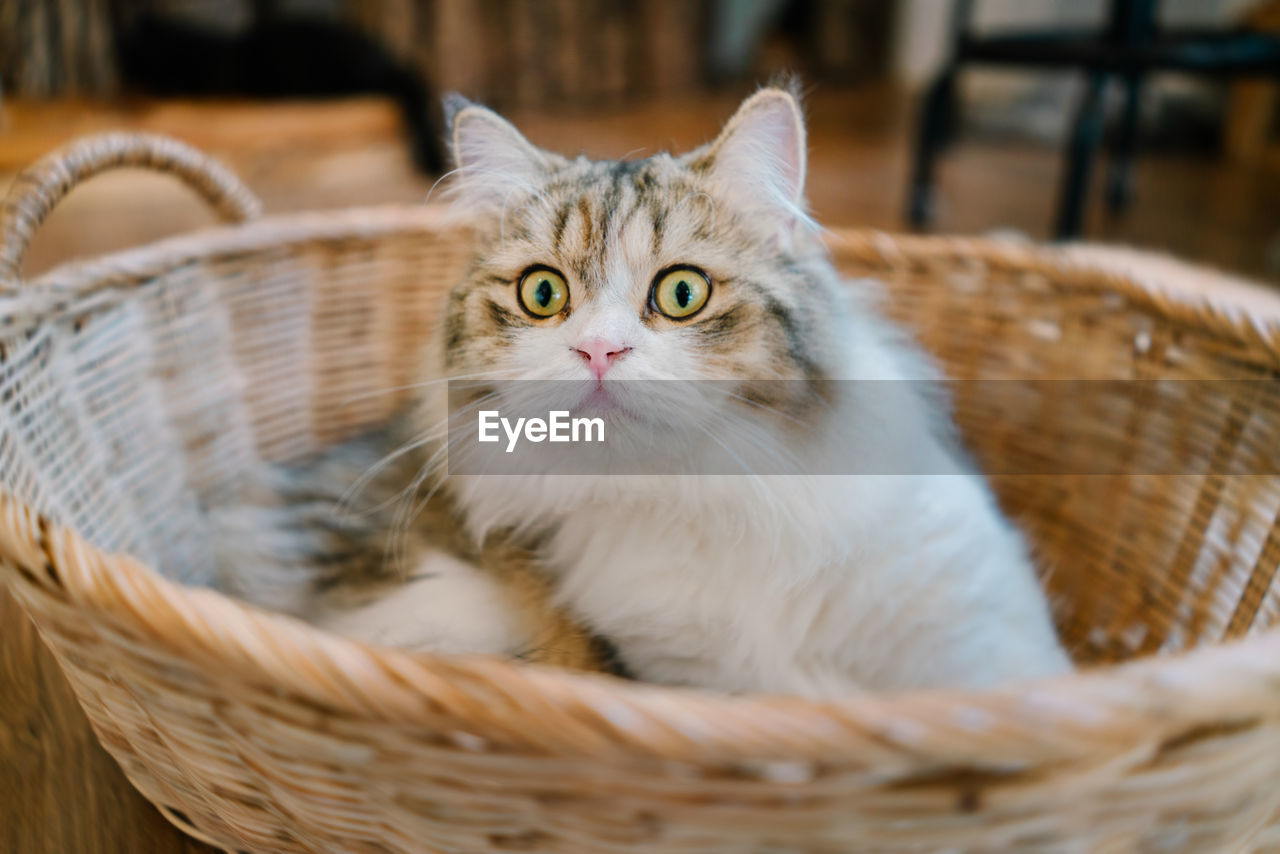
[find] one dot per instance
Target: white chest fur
(816, 585)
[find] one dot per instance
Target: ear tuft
(454, 103)
(790, 83)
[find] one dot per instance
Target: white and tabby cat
(706, 267)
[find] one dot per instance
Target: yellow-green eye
(543, 292)
(681, 292)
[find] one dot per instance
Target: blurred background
(324, 103)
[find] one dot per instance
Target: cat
(598, 277)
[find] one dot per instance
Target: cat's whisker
(737, 459)
(358, 485)
(423, 438)
(765, 407)
(437, 182)
(402, 520)
(409, 510)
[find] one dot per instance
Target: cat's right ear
(491, 158)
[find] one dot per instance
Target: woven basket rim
(1063, 719)
(1241, 310)
(85, 285)
(1237, 308)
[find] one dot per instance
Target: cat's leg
(444, 605)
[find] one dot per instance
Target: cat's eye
(681, 292)
(543, 292)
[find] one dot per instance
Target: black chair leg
(936, 128)
(1120, 171)
(1083, 148)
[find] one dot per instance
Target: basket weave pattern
(137, 389)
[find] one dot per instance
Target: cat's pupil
(543, 294)
(683, 293)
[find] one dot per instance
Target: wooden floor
(302, 155)
(59, 792)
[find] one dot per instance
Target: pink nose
(599, 354)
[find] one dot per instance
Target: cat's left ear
(759, 158)
(492, 158)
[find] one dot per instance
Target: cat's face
(698, 267)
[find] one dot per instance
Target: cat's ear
(759, 158)
(491, 158)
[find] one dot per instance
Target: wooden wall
(505, 52)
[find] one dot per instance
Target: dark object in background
(834, 41)
(279, 59)
(1131, 47)
(562, 55)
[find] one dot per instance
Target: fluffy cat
(705, 267)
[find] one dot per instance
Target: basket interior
(130, 419)
(1179, 548)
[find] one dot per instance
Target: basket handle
(41, 186)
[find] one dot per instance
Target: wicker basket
(137, 389)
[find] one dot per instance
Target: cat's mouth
(604, 399)
(601, 399)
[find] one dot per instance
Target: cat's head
(702, 266)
